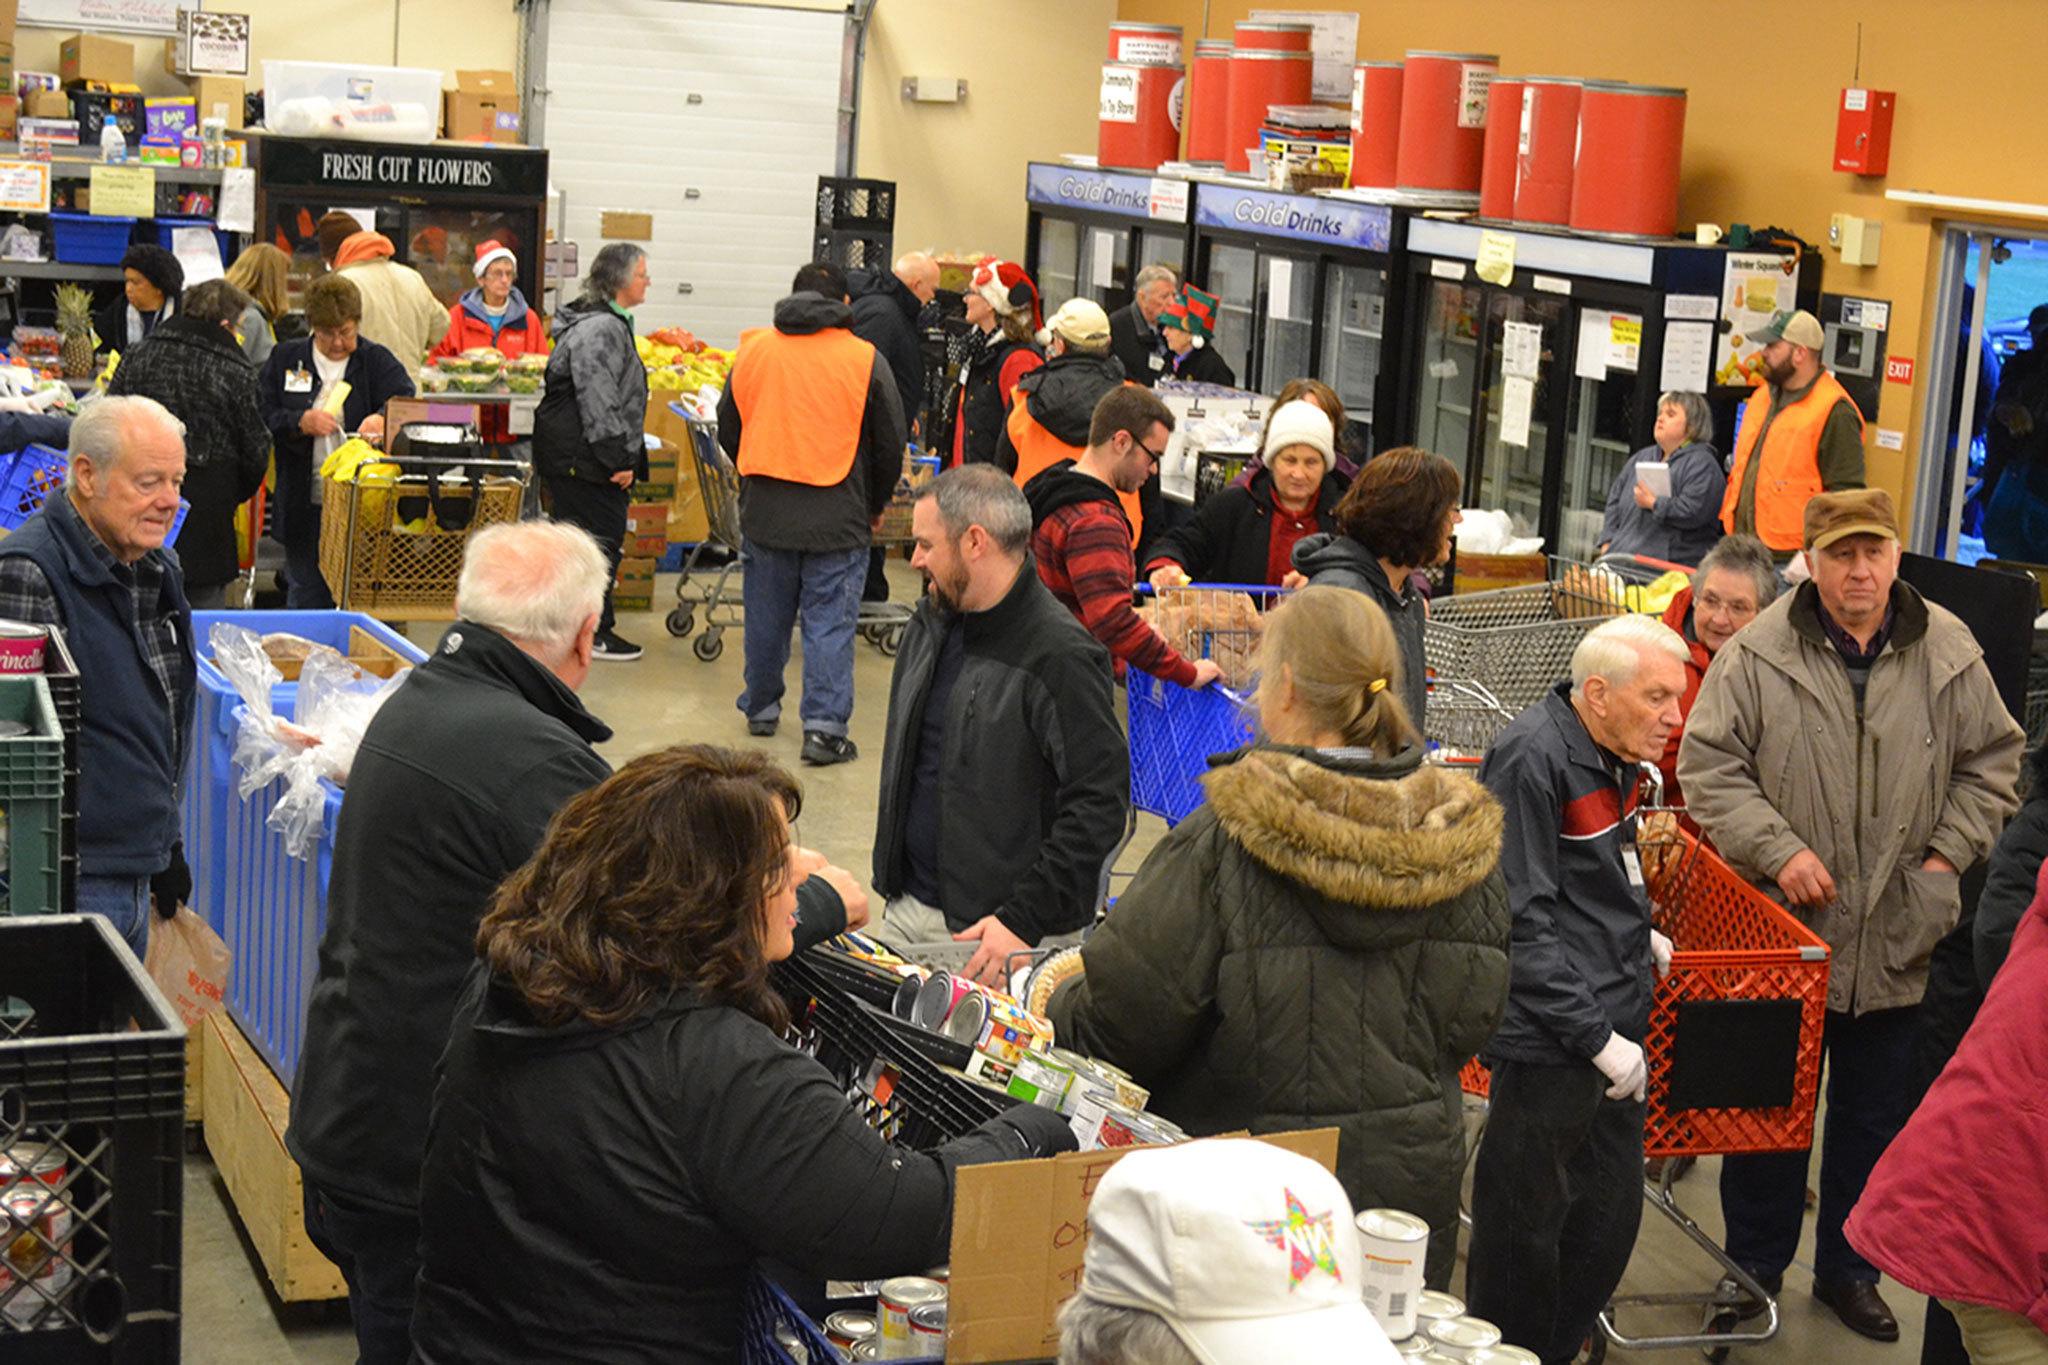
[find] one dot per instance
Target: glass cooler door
(1525, 352)
(1602, 414)
(1448, 374)
(1354, 321)
(1233, 279)
(1288, 349)
(1059, 259)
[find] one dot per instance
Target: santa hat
(1010, 292)
(493, 250)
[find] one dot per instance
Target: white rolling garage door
(717, 120)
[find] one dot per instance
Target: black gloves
(1039, 1131)
(172, 887)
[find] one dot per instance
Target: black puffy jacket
(1324, 942)
(885, 315)
(603, 1194)
(1336, 560)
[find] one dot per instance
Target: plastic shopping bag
(189, 963)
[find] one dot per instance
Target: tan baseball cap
(1852, 512)
(1080, 321)
(1799, 327)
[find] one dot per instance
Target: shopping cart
(1461, 720)
(1175, 729)
(718, 483)
(1516, 642)
(392, 537)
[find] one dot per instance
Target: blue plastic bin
(221, 240)
(89, 239)
(1174, 730)
(28, 476)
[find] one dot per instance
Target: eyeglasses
(1713, 602)
(1158, 456)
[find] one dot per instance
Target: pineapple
(74, 324)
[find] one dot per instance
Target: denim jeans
(377, 1252)
(826, 585)
(121, 901)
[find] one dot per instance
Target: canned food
(904, 1006)
(869, 1350)
(35, 1245)
(1394, 1244)
(21, 650)
(1503, 1355)
(1458, 1338)
(1414, 1348)
(1043, 1081)
(1433, 1305)
(937, 998)
(846, 1328)
(787, 1338)
(1007, 1029)
(894, 1302)
(942, 1273)
(966, 1023)
(928, 1327)
(991, 1068)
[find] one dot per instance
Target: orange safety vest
(1038, 450)
(801, 401)
(1790, 472)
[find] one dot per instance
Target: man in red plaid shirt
(1081, 539)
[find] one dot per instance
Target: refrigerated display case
(1539, 387)
(436, 203)
(1307, 284)
(1089, 232)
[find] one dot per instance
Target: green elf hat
(1193, 311)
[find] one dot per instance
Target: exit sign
(1898, 369)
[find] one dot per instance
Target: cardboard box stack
(483, 107)
(210, 54)
(646, 531)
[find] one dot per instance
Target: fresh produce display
(433, 379)
(37, 344)
(477, 360)
(678, 362)
(74, 324)
(472, 381)
(523, 374)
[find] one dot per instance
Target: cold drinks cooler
(1375, 123)
(1443, 119)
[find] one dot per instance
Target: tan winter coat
(1777, 757)
(1323, 944)
(399, 312)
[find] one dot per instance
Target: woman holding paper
(1666, 501)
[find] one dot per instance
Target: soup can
(1413, 1348)
(938, 998)
(1043, 1081)
(987, 1066)
(895, 1300)
(36, 1224)
(928, 1329)
(21, 647)
(1394, 1244)
(1503, 1355)
(1460, 1338)
(904, 1006)
(1433, 1305)
(846, 1328)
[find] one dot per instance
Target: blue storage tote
(28, 476)
(90, 239)
(222, 241)
(31, 801)
(1174, 730)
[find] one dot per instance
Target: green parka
(1323, 944)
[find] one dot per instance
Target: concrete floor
(231, 1317)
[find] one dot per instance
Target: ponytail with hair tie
(1377, 685)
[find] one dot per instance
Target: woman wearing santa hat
(496, 314)
(1008, 344)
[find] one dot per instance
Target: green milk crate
(32, 798)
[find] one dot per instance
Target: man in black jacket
(1557, 1187)
(811, 416)
(451, 791)
(885, 313)
(193, 365)
(1134, 335)
(1005, 777)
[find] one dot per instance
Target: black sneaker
(611, 646)
(761, 729)
(821, 749)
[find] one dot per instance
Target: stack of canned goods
(1104, 1106)
(909, 1321)
(36, 1219)
(1444, 1333)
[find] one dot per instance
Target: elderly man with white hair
(1557, 1190)
(94, 562)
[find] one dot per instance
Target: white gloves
(1622, 1062)
(1660, 953)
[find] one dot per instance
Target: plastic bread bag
(336, 703)
(262, 749)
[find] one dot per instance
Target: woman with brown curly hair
(1395, 519)
(620, 1132)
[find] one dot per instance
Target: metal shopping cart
(392, 536)
(881, 624)
(1516, 642)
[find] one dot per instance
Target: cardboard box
(10, 117)
(54, 104)
(636, 575)
(225, 92)
(483, 107)
(208, 44)
(89, 57)
(645, 518)
(687, 519)
(663, 493)
(1019, 1231)
(652, 545)
(7, 68)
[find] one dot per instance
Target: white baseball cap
(1246, 1250)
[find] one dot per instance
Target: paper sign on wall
(1688, 356)
(1521, 349)
(1168, 201)
(237, 211)
(24, 186)
(1102, 258)
(1280, 288)
(1596, 339)
(1888, 439)
(124, 191)
(198, 252)
(1496, 263)
(1624, 341)
(1700, 307)
(1517, 401)
(1754, 287)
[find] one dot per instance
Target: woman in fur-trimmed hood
(1325, 943)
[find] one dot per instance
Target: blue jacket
(1680, 528)
(129, 758)
(374, 377)
(1580, 953)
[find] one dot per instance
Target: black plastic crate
(60, 671)
(853, 205)
(92, 1080)
(867, 249)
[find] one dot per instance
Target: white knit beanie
(1301, 423)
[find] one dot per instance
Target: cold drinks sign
(390, 168)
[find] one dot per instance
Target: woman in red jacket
(1958, 1205)
(496, 314)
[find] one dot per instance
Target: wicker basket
(378, 561)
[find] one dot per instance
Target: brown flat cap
(1852, 512)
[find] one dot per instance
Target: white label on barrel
(1473, 83)
(1528, 117)
(1148, 51)
(1119, 94)
(1358, 99)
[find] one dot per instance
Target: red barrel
(1547, 149)
(1443, 120)
(1497, 160)
(1375, 123)
(1140, 116)
(1206, 112)
(1275, 37)
(1631, 138)
(1260, 78)
(1145, 44)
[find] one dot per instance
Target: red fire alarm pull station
(1863, 131)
